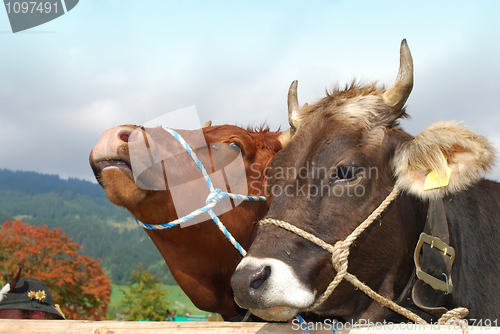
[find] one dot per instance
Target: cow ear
(442, 144)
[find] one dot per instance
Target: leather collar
(420, 294)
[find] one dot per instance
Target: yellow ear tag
(437, 180)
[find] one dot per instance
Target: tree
(76, 281)
(145, 299)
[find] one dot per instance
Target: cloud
(59, 92)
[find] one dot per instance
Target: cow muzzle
(112, 150)
(270, 289)
(111, 165)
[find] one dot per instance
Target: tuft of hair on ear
(468, 154)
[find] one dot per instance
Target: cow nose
(111, 141)
(259, 277)
(123, 135)
(249, 284)
(126, 134)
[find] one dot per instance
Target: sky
(112, 62)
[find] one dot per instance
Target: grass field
(180, 302)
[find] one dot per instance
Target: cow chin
(120, 188)
(276, 313)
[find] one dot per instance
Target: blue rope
(302, 321)
(214, 197)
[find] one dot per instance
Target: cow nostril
(126, 134)
(124, 137)
(260, 277)
(256, 284)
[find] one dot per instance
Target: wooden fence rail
(129, 327)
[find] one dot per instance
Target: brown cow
(347, 154)
(199, 257)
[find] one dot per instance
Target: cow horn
(293, 107)
(207, 124)
(398, 93)
(285, 137)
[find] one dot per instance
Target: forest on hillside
(82, 210)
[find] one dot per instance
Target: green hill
(84, 213)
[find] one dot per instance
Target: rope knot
(456, 316)
(340, 253)
(214, 197)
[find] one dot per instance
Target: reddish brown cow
(199, 257)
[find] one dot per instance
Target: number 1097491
(31, 7)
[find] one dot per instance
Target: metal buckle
(439, 244)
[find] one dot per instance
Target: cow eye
(344, 173)
(235, 147)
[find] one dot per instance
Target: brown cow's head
(338, 167)
(199, 257)
(146, 194)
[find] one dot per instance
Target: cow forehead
(356, 106)
(328, 140)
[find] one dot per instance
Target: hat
(30, 294)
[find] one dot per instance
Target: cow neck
(419, 296)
